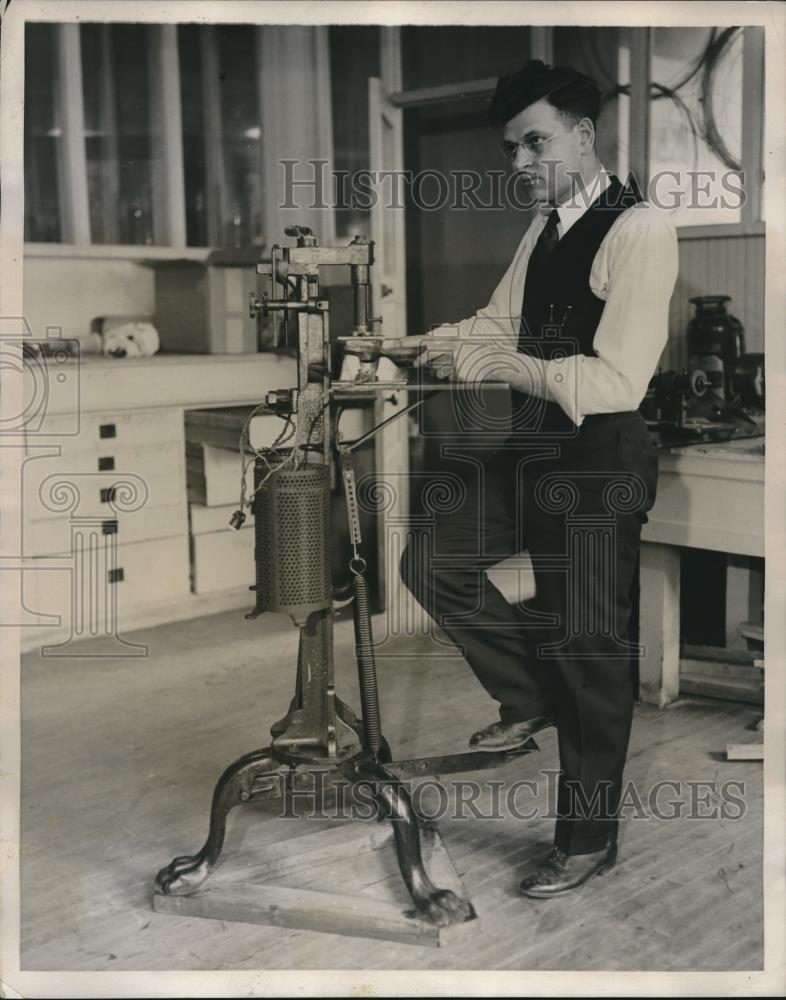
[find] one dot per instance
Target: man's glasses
(534, 145)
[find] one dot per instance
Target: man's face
(549, 171)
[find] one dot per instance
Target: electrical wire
(706, 127)
(700, 60)
(693, 129)
(264, 454)
(713, 136)
(317, 417)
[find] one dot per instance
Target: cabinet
(104, 519)
(221, 557)
(709, 497)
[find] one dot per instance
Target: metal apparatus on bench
(682, 409)
(293, 575)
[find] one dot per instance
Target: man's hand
(482, 362)
(488, 363)
(438, 355)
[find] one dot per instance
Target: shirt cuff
(461, 361)
(557, 380)
(563, 379)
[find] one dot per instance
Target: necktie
(532, 307)
(548, 238)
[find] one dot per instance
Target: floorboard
(120, 758)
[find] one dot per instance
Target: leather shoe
(509, 735)
(561, 873)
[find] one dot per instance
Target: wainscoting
(718, 265)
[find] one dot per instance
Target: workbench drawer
(111, 432)
(53, 535)
(213, 475)
(90, 484)
(139, 574)
(221, 560)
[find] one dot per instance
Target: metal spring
(367, 670)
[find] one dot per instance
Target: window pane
(431, 57)
(696, 123)
(222, 135)
(193, 114)
(43, 140)
(118, 140)
(242, 135)
(354, 57)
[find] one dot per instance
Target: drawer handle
(106, 464)
(116, 575)
(108, 494)
(109, 527)
(107, 431)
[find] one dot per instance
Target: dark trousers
(579, 514)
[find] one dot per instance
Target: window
(242, 136)
(194, 133)
(354, 58)
(696, 110)
(221, 134)
(601, 54)
(119, 140)
(154, 129)
(697, 141)
(43, 137)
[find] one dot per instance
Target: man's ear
(586, 134)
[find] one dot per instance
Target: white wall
(69, 292)
(718, 265)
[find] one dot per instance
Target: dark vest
(560, 312)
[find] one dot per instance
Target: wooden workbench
(710, 496)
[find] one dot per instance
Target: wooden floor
(119, 761)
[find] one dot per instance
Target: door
(388, 300)
(386, 160)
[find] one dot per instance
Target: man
(576, 328)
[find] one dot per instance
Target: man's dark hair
(573, 94)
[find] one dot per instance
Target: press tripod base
(357, 895)
(436, 891)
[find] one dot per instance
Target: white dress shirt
(634, 272)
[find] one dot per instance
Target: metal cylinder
(292, 536)
(360, 280)
(748, 380)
